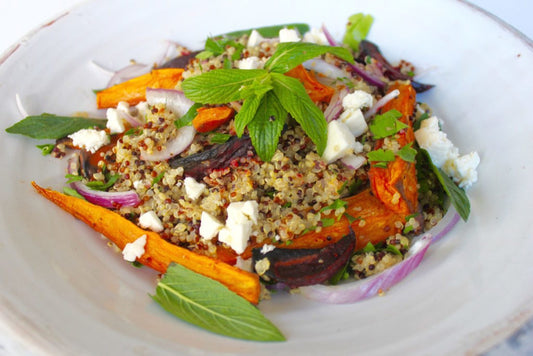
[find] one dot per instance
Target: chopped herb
(407, 153)
(186, 120)
(158, 178)
(381, 155)
(134, 131)
(357, 29)
(369, 248)
(393, 249)
(136, 264)
(72, 192)
(288, 242)
(73, 178)
(219, 137)
(350, 218)
(418, 121)
(337, 204)
(326, 222)
(387, 124)
(287, 205)
(46, 149)
(103, 186)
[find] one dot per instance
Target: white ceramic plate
(63, 291)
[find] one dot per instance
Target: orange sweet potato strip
(158, 252)
(209, 119)
(133, 91)
(396, 185)
(317, 91)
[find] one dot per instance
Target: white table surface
(19, 17)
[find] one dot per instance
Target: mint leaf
(219, 86)
(46, 149)
(381, 155)
(218, 137)
(457, 196)
(357, 29)
(291, 54)
(210, 305)
(407, 153)
(386, 124)
(247, 113)
(186, 120)
(49, 126)
(292, 95)
(103, 186)
(265, 129)
(337, 204)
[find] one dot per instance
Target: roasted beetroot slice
(302, 267)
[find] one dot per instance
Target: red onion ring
(174, 146)
(334, 108)
(128, 72)
(174, 100)
(352, 292)
(381, 102)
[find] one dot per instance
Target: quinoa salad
(295, 157)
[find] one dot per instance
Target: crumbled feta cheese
(267, 248)
(241, 218)
(243, 211)
(357, 100)
(209, 226)
(443, 153)
(340, 141)
(288, 35)
(142, 109)
(316, 35)
(150, 220)
(89, 139)
(251, 62)
(114, 123)
(355, 120)
(193, 189)
(435, 142)
(135, 249)
(255, 39)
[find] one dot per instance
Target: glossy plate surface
(65, 292)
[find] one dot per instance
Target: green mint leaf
(205, 55)
(72, 192)
(418, 121)
(386, 124)
(266, 126)
(407, 153)
(292, 95)
(49, 126)
(357, 29)
(350, 218)
(73, 178)
(393, 249)
(337, 204)
(381, 155)
(219, 137)
(326, 222)
(210, 305)
(247, 113)
(369, 248)
(103, 186)
(268, 31)
(291, 54)
(457, 196)
(158, 178)
(186, 120)
(219, 86)
(134, 131)
(46, 149)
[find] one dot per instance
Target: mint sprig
(257, 87)
(210, 305)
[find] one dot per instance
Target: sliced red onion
(174, 100)
(174, 146)
(131, 71)
(380, 103)
(105, 199)
(103, 69)
(353, 161)
(352, 292)
(334, 108)
(367, 76)
(325, 68)
(329, 37)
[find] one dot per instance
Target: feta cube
(209, 226)
(463, 169)
(355, 120)
(340, 141)
(193, 189)
(316, 35)
(114, 123)
(243, 211)
(435, 142)
(357, 100)
(288, 35)
(89, 139)
(255, 39)
(150, 220)
(135, 249)
(251, 62)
